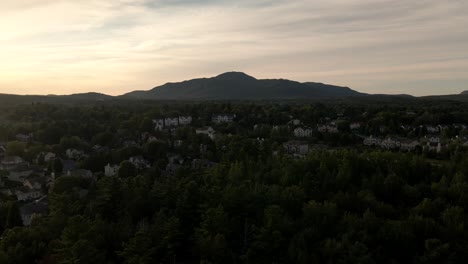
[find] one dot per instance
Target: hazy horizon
(118, 46)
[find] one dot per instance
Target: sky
(116, 46)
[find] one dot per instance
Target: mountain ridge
(240, 86)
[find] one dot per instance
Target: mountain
(465, 92)
(240, 86)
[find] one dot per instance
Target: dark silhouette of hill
(240, 86)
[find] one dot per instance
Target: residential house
(409, 145)
(303, 132)
(68, 166)
(19, 173)
(185, 120)
(355, 126)
(208, 131)
(371, 141)
(390, 143)
(171, 121)
(32, 210)
(433, 129)
(434, 144)
(139, 162)
(296, 147)
(158, 124)
(223, 118)
(74, 154)
(199, 164)
(329, 128)
(35, 183)
(178, 143)
(25, 194)
(2, 152)
(295, 122)
(85, 174)
(111, 170)
(10, 162)
(24, 138)
(172, 168)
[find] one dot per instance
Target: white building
(303, 132)
(355, 126)
(327, 128)
(158, 124)
(208, 131)
(296, 148)
(171, 121)
(223, 118)
(185, 120)
(409, 145)
(371, 141)
(26, 194)
(74, 154)
(111, 170)
(390, 143)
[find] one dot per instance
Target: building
(74, 154)
(223, 118)
(409, 145)
(171, 121)
(330, 128)
(295, 122)
(10, 162)
(303, 132)
(208, 131)
(111, 170)
(32, 210)
(139, 162)
(199, 164)
(355, 126)
(390, 143)
(296, 148)
(24, 138)
(158, 124)
(2, 152)
(35, 183)
(185, 120)
(371, 141)
(434, 144)
(25, 194)
(433, 129)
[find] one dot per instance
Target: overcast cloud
(115, 46)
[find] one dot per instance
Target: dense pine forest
(118, 185)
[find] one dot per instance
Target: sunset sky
(116, 46)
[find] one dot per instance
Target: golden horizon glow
(117, 46)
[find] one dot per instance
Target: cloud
(115, 46)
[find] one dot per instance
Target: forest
(255, 202)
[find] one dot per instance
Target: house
(32, 210)
(371, 141)
(172, 168)
(85, 174)
(2, 152)
(158, 124)
(203, 148)
(355, 126)
(433, 144)
(178, 143)
(409, 145)
(10, 162)
(330, 128)
(199, 164)
(68, 166)
(25, 194)
(19, 173)
(23, 137)
(208, 131)
(390, 143)
(139, 162)
(433, 129)
(171, 121)
(296, 147)
(185, 120)
(111, 170)
(46, 156)
(295, 122)
(223, 118)
(35, 183)
(303, 132)
(74, 154)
